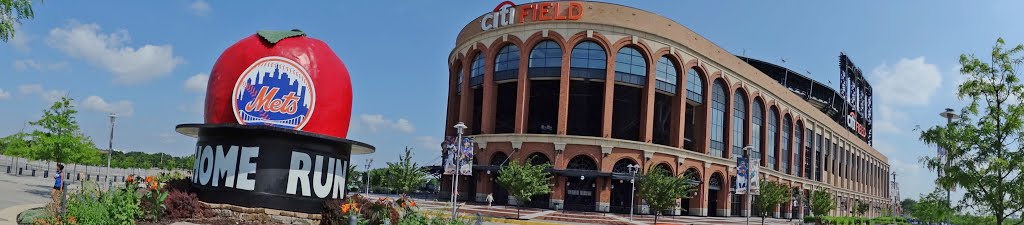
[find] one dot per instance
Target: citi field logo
(508, 13)
(274, 91)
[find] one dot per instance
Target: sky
(148, 61)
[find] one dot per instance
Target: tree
(907, 206)
(524, 180)
(772, 194)
(405, 176)
(860, 208)
(11, 13)
(984, 142)
(821, 202)
(660, 189)
(932, 207)
(59, 137)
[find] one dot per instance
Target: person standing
(58, 188)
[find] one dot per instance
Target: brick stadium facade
(614, 86)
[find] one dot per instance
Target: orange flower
(149, 179)
(413, 203)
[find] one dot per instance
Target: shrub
(182, 185)
(181, 204)
(123, 206)
(87, 209)
(810, 219)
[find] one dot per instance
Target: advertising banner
(754, 177)
(741, 175)
(459, 158)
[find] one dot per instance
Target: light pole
(110, 148)
(455, 179)
(633, 169)
(368, 162)
(746, 156)
(949, 114)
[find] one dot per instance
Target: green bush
(123, 206)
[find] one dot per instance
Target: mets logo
(274, 91)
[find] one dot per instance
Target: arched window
(739, 123)
(798, 140)
(694, 86)
(458, 83)
(666, 75)
(718, 119)
(786, 144)
(476, 71)
(588, 60)
(773, 129)
(546, 60)
(630, 67)
(506, 64)
(756, 123)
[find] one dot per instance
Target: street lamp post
(110, 148)
(746, 155)
(633, 169)
(949, 114)
(368, 162)
(455, 179)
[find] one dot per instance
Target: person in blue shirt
(58, 188)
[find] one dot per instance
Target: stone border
(9, 215)
(263, 214)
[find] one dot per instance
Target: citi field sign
(508, 13)
(278, 105)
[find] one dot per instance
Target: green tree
(660, 189)
(984, 142)
(821, 203)
(860, 208)
(405, 176)
(524, 180)
(907, 206)
(379, 179)
(59, 138)
(11, 13)
(932, 207)
(772, 194)
(352, 176)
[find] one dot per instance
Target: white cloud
(26, 64)
(4, 94)
(427, 143)
(108, 51)
(21, 39)
(908, 169)
(197, 83)
(888, 120)
(49, 96)
(196, 106)
(200, 7)
(26, 89)
(908, 82)
(96, 103)
(376, 123)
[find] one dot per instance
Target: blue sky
(147, 60)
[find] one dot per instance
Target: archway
(622, 186)
(544, 200)
(579, 191)
(687, 203)
(498, 192)
(714, 186)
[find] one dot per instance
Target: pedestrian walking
(58, 188)
(490, 199)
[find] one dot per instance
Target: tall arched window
(739, 123)
(718, 107)
(797, 152)
(630, 67)
(546, 60)
(785, 146)
(458, 83)
(506, 64)
(756, 123)
(773, 133)
(588, 60)
(476, 71)
(667, 75)
(694, 86)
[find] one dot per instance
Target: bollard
(8, 169)
(46, 174)
(19, 170)
(33, 172)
